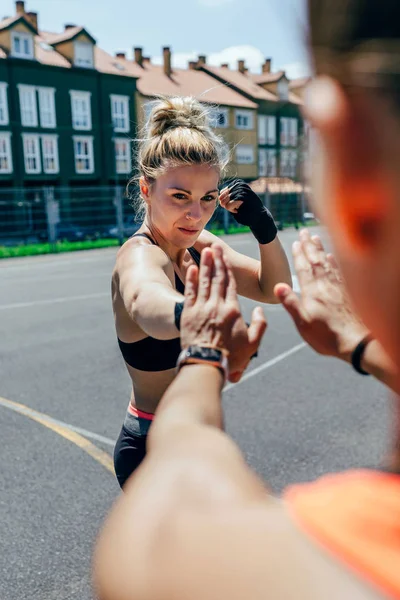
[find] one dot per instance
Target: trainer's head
(354, 106)
(181, 160)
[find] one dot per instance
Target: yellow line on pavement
(99, 455)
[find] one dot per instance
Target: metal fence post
(119, 213)
(226, 221)
(52, 215)
(303, 205)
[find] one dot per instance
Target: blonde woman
(209, 529)
(181, 163)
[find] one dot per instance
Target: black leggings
(129, 452)
(130, 448)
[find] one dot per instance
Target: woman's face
(181, 202)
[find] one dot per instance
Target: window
(293, 131)
(283, 89)
(22, 44)
(3, 104)
(271, 164)
(32, 153)
(284, 131)
(27, 102)
(47, 108)
(244, 154)
(266, 130)
(122, 155)
(50, 153)
(284, 163)
(262, 162)
(262, 129)
(271, 131)
(120, 113)
(244, 119)
(5, 153)
(220, 118)
(83, 150)
(84, 55)
(147, 108)
(81, 111)
(292, 167)
(267, 162)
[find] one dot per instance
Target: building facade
(67, 109)
(234, 116)
(279, 123)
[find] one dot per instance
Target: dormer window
(22, 45)
(283, 89)
(84, 55)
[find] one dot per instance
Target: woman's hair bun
(171, 113)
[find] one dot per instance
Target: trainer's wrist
(358, 356)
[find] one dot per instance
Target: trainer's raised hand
(211, 315)
(247, 209)
(322, 314)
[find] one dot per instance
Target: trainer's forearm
(376, 362)
(274, 269)
(193, 398)
(153, 310)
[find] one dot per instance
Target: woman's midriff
(149, 387)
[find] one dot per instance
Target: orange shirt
(356, 516)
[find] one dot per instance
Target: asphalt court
(64, 392)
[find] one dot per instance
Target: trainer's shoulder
(258, 549)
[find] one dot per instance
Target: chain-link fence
(51, 214)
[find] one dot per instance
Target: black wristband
(178, 314)
(265, 231)
(252, 212)
(358, 353)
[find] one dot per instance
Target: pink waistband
(140, 413)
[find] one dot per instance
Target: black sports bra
(151, 354)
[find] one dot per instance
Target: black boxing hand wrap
(252, 212)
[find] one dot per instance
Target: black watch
(204, 355)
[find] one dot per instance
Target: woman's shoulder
(205, 239)
(141, 250)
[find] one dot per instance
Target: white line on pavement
(109, 442)
(25, 410)
(38, 262)
(267, 365)
(54, 301)
(102, 294)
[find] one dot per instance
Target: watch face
(211, 354)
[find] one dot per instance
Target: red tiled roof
(104, 62)
(10, 20)
(268, 77)
(4, 23)
(295, 99)
(191, 82)
(275, 185)
(242, 81)
(299, 82)
(57, 38)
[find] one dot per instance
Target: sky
(223, 30)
